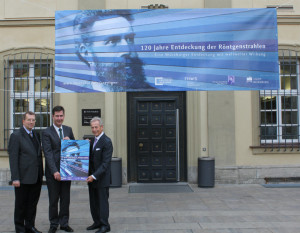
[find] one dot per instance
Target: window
(279, 109)
(29, 84)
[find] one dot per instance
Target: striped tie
(95, 142)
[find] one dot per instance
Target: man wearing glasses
(26, 165)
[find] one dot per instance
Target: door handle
(141, 145)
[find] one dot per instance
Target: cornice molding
(281, 20)
(16, 53)
(289, 47)
(288, 19)
(27, 22)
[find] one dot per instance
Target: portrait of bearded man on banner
(104, 42)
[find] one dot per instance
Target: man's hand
(57, 176)
(16, 183)
(90, 179)
(66, 138)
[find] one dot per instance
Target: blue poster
(74, 159)
(166, 50)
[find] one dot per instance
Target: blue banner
(166, 50)
(74, 159)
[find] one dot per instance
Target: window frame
(280, 94)
(30, 93)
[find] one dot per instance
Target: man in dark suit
(57, 190)
(99, 176)
(26, 165)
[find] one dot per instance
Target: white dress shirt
(98, 138)
(57, 130)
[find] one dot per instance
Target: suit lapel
(64, 131)
(26, 137)
(36, 138)
(53, 131)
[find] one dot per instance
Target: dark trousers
(99, 205)
(58, 191)
(26, 200)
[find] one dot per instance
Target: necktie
(60, 134)
(95, 142)
(31, 134)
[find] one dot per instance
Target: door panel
(156, 145)
(152, 138)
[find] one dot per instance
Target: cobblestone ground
(224, 208)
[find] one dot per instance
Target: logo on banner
(159, 81)
(230, 80)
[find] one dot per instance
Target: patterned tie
(95, 142)
(31, 134)
(60, 134)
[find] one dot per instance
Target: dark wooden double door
(156, 152)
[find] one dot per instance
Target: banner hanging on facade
(74, 159)
(166, 50)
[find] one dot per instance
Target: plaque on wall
(88, 114)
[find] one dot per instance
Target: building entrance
(156, 131)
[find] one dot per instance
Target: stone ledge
(5, 178)
(27, 22)
(247, 174)
(223, 175)
(3, 153)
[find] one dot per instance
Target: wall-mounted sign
(88, 114)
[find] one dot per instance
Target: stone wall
(247, 174)
(4, 176)
(223, 175)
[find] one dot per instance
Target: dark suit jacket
(52, 146)
(26, 163)
(101, 159)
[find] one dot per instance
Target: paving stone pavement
(222, 209)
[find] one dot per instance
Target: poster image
(166, 50)
(74, 163)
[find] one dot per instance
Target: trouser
(99, 205)
(26, 200)
(59, 191)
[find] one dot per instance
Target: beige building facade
(247, 132)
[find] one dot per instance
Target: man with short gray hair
(99, 179)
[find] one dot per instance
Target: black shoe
(93, 226)
(66, 228)
(103, 229)
(52, 230)
(32, 230)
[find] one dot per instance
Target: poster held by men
(74, 163)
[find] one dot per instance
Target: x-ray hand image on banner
(166, 50)
(74, 159)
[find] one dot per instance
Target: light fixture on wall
(155, 6)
